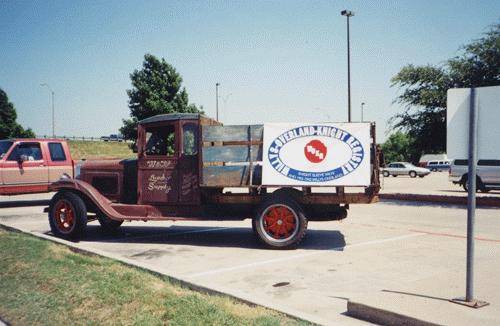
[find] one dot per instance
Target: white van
(435, 166)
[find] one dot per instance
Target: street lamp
(362, 110)
(348, 14)
(217, 101)
(52, 97)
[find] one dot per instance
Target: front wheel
(385, 174)
(67, 215)
(280, 223)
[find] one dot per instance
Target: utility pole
(52, 99)
(362, 111)
(348, 14)
(217, 101)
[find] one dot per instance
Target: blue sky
(279, 60)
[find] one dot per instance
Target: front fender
(91, 193)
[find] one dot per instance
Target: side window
(160, 141)
(56, 152)
(189, 139)
(489, 162)
(31, 151)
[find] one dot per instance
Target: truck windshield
(4, 147)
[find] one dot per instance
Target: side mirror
(22, 158)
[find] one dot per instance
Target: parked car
(404, 168)
(113, 137)
(435, 166)
(426, 158)
(487, 174)
(30, 165)
(118, 138)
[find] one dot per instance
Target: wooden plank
(232, 133)
(231, 153)
(230, 176)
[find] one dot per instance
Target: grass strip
(99, 150)
(43, 283)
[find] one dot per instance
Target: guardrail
(82, 138)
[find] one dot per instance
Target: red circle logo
(315, 151)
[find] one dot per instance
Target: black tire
(395, 175)
(434, 170)
(479, 184)
(421, 176)
(385, 174)
(412, 174)
(107, 224)
(67, 215)
(297, 230)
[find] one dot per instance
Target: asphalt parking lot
(407, 257)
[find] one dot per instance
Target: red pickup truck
(30, 165)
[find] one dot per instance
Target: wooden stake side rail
(231, 156)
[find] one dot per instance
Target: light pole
(217, 101)
(348, 14)
(52, 97)
(362, 110)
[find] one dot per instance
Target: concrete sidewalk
(401, 257)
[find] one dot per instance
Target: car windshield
(4, 147)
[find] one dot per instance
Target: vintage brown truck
(190, 167)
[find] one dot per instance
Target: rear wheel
(479, 184)
(67, 215)
(108, 224)
(280, 223)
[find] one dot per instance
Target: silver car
(404, 168)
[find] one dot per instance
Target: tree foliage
(424, 90)
(9, 128)
(398, 147)
(156, 89)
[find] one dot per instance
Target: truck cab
(30, 165)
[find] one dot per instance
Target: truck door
(188, 166)
(158, 159)
(25, 167)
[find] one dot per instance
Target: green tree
(424, 90)
(9, 128)
(156, 89)
(398, 147)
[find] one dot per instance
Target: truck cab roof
(171, 117)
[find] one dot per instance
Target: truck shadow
(206, 236)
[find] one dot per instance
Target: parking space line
(455, 235)
(271, 261)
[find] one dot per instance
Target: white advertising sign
(488, 123)
(323, 154)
